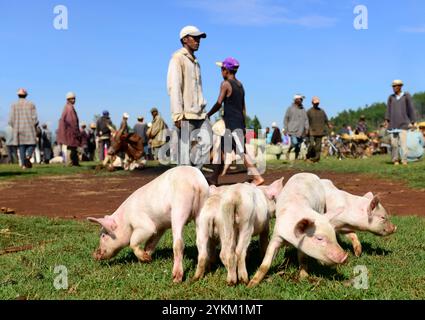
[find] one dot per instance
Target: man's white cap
(398, 83)
(192, 31)
(274, 125)
(299, 96)
(126, 115)
(70, 95)
(83, 124)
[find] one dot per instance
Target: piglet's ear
(273, 190)
(107, 223)
(302, 226)
(369, 195)
(372, 206)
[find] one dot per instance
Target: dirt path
(86, 195)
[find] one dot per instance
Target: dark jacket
(102, 127)
(318, 121)
(400, 113)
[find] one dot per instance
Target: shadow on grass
(254, 261)
(16, 173)
(367, 249)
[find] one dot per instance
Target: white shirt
(398, 97)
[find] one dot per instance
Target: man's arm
(224, 89)
(286, 119)
(34, 115)
(306, 123)
(174, 86)
(410, 109)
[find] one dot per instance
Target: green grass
(380, 166)
(396, 267)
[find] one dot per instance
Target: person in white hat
(188, 105)
(69, 135)
(23, 121)
(124, 127)
(296, 124)
(400, 116)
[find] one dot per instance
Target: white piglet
(233, 215)
(169, 201)
(349, 213)
(300, 222)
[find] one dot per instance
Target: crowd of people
(28, 143)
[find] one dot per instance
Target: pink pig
(349, 213)
(300, 222)
(233, 215)
(169, 201)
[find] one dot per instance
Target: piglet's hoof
(145, 258)
(303, 275)
(178, 277)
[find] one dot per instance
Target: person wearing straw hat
(188, 105)
(318, 123)
(296, 124)
(400, 116)
(23, 120)
(69, 133)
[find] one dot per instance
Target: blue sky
(115, 54)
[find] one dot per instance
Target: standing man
(187, 101)
(46, 144)
(69, 130)
(103, 129)
(140, 128)
(400, 116)
(157, 133)
(84, 142)
(23, 120)
(296, 125)
(318, 121)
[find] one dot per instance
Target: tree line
(375, 113)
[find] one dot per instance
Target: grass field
(380, 166)
(396, 267)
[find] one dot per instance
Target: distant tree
(419, 102)
(253, 124)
